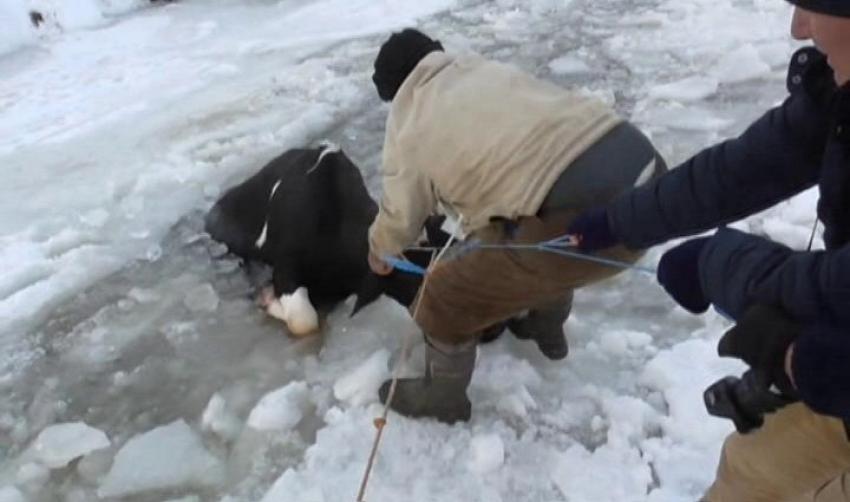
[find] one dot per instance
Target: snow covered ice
(361, 385)
(120, 124)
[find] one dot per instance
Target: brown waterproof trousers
(796, 456)
(837, 490)
(468, 292)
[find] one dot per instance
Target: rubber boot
(492, 333)
(545, 326)
(441, 393)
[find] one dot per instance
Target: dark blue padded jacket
(799, 144)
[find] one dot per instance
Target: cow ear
(370, 289)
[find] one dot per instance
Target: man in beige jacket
(512, 159)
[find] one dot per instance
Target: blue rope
(404, 265)
(603, 261)
(559, 245)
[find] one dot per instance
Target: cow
(307, 214)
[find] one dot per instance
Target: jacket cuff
(625, 223)
(378, 245)
(617, 236)
(730, 265)
(822, 372)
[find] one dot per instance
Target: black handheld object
(744, 400)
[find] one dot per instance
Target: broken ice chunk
(281, 409)
(168, 457)
(59, 444)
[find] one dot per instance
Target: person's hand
(763, 338)
(678, 273)
(593, 230)
(378, 265)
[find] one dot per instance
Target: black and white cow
(307, 214)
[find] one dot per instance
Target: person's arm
(776, 157)
(738, 270)
(407, 201)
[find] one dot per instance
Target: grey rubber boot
(441, 393)
(545, 326)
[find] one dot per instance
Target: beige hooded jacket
(478, 140)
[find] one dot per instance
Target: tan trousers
(837, 490)
(465, 294)
(796, 456)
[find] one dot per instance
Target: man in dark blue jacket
(792, 308)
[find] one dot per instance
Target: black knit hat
(831, 7)
(398, 56)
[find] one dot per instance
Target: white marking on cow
(327, 149)
(274, 189)
(261, 240)
(647, 173)
(296, 311)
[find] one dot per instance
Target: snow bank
(608, 473)
(360, 386)
(70, 14)
(487, 453)
(17, 29)
(679, 374)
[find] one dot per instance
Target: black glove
(761, 339)
(593, 230)
(678, 273)
(744, 400)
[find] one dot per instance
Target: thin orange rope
(381, 421)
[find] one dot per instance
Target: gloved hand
(744, 400)
(593, 231)
(761, 339)
(678, 273)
